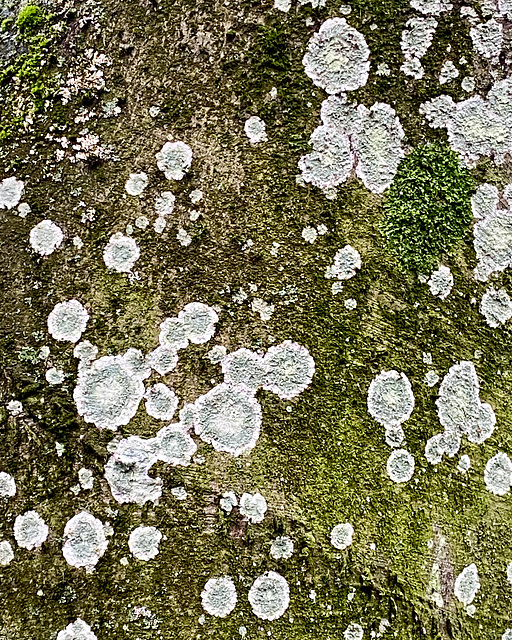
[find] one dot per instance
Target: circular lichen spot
(427, 209)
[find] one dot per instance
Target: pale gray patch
(289, 369)
(136, 183)
(228, 501)
(78, 630)
(487, 39)
(30, 530)
(413, 68)
(354, 631)
(434, 449)
(395, 436)
(400, 466)
(174, 159)
(136, 363)
(467, 584)
(283, 5)
(127, 471)
(464, 464)
(269, 596)
(45, 237)
(441, 282)
(493, 243)
(254, 129)
(390, 398)
(417, 37)
(7, 485)
(14, 407)
(163, 360)
(509, 572)
(431, 378)
(228, 418)
(219, 596)
(459, 407)
(281, 548)
(337, 113)
(10, 192)
(432, 7)
(85, 478)
(347, 262)
(85, 351)
(107, 393)
(438, 111)
(54, 376)
(350, 304)
(174, 445)
(331, 161)
(448, 72)
(507, 635)
(84, 541)
(144, 541)
(67, 321)
(121, 253)
(217, 354)
(173, 334)
(164, 204)
(179, 493)
(199, 320)
(6, 553)
(187, 415)
(253, 507)
(161, 402)
(337, 57)
(468, 84)
(496, 307)
(485, 201)
(244, 367)
(498, 474)
(341, 536)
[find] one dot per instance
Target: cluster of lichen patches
(415, 42)
(121, 253)
(84, 541)
(460, 412)
(45, 237)
(219, 596)
(391, 402)
(496, 307)
(498, 474)
(441, 282)
(11, 190)
(67, 321)
(78, 630)
(476, 127)
(194, 324)
(143, 542)
(127, 471)
(282, 548)
(492, 232)
(342, 535)
(30, 530)
(269, 596)
(174, 159)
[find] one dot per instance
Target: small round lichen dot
(253, 507)
(144, 541)
(400, 466)
(30, 530)
(121, 253)
(354, 631)
(78, 630)
(282, 548)
(467, 584)
(67, 321)
(45, 237)
(84, 541)
(7, 485)
(219, 596)
(269, 596)
(136, 183)
(341, 536)
(6, 553)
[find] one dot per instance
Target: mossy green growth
(427, 209)
(29, 20)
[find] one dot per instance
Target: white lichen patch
(468, 84)
(54, 376)
(448, 72)
(164, 204)
(459, 407)
(161, 402)
(467, 584)
(435, 449)
(509, 572)
(228, 501)
(331, 161)
(11, 191)
(415, 41)
(174, 159)
(496, 307)
(395, 436)
(144, 541)
(136, 363)
(347, 262)
(6, 553)
(84, 541)
(85, 351)
(492, 235)
(174, 445)
(78, 630)
(107, 393)
(354, 631)
(14, 407)
(485, 201)
(283, 5)
(431, 378)
(244, 367)
(162, 360)
(464, 464)
(45, 237)
(269, 596)
(7, 485)
(85, 478)
(127, 471)
(413, 68)
(400, 466)
(219, 596)
(337, 58)
(289, 369)
(253, 507)
(255, 130)
(121, 253)
(498, 474)
(281, 548)
(136, 183)
(67, 321)
(390, 399)
(264, 309)
(228, 418)
(341, 536)
(432, 7)
(199, 321)
(30, 530)
(487, 38)
(441, 282)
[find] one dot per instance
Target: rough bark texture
(321, 458)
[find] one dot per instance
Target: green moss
(30, 19)
(427, 208)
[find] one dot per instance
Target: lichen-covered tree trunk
(255, 291)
